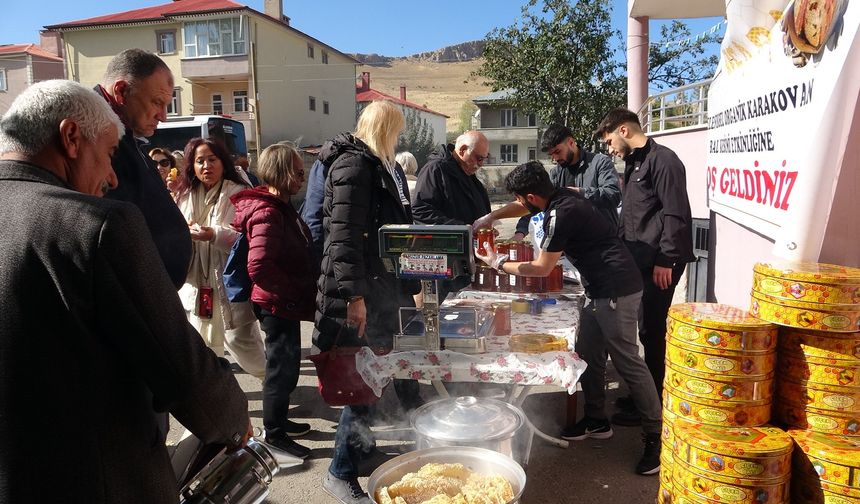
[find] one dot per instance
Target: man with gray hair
(138, 85)
(448, 192)
(94, 339)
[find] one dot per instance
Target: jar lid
(467, 419)
(718, 316)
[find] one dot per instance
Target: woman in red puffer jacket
(284, 290)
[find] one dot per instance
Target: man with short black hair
(575, 227)
(656, 225)
(139, 86)
(590, 174)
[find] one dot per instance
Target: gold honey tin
(814, 316)
(844, 400)
(822, 421)
(808, 282)
(759, 453)
(664, 494)
(720, 326)
(833, 460)
(712, 363)
(729, 388)
(719, 413)
(740, 491)
(810, 489)
(822, 371)
(820, 345)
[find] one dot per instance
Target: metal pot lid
(467, 419)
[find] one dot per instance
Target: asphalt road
(587, 472)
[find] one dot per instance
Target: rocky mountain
(467, 51)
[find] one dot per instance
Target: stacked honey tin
(718, 389)
(818, 385)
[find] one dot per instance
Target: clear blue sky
(388, 27)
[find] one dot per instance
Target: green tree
(564, 62)
(467, 111)
(417, 137)
(560, 62)
(672, 64)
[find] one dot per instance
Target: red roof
(373, 95)
(156, 13)
(31, 49)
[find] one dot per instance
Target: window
(173, 106)
(312, 103)
(217, 104)
(324, 58)
(509, 118)
(311, 51)
(214, 38)
(532, 153)
(325, 107)
(240, 101)
(532, 120)
(3, 79)
(509, 153)
(166, 42)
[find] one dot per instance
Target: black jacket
(140, 184)
(444, 193)
(595, 174)
(656, 222)
(94, 341)
(360, 196)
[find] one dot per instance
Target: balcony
(215, 67)
(513, 134)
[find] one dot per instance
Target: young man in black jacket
(656, 225)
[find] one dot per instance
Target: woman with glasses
(165, 161)
(279, 265)
(202, 191)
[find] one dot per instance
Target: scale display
(438, 243)
(427, 252)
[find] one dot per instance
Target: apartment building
(229, 59)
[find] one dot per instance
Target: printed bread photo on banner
(809, 25)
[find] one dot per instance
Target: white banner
(777, 114)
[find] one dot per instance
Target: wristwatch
(353, 299)
(502, 261)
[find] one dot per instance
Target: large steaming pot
(471, 421)
(479, 460)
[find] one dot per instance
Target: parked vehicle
(174, 133)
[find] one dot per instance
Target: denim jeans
(283, 356)
(609, 327)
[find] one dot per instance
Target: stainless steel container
(241, 477)
(471, 421)
(478, 460)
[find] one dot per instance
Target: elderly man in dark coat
(449, 192)
(93, 338)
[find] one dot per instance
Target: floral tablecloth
(498, 365)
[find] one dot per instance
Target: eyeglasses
(483, 159)
(164, 163)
